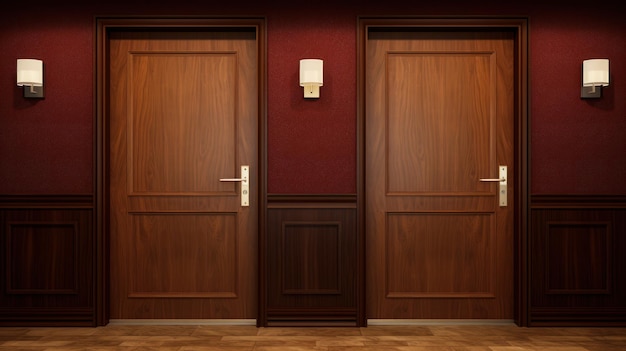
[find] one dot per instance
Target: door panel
(460, 126)
(439, 116)
(159, 255)
(183, 114)
(436, 255)
(164, 85)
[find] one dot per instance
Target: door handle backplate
(502, 187)
(245, 184)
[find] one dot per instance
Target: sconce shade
(311, 77)
(596, 72)
(311, 72)
(29, 72)
(595, 76)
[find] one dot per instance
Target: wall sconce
(30, 76)
(595, 76)
(311, 77)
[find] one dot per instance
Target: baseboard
(370, 322)
(503, 322)
(182, 322)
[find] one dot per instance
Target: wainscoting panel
(311, 257)
(47, 270)
(577, 261)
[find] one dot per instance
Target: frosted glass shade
(29, 72)
(596, 72)
(311, 72)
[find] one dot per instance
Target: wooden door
(183, 114)
(439, 115)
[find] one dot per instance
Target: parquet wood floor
(372, 338)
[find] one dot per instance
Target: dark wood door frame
(104, 26)
(519, 26)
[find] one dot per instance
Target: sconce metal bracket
(591, 92)
(33, 92)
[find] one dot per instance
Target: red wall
(578, 146)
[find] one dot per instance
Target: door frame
(517, 25)
(101, 148)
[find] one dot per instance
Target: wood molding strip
(312, 201)
(46, 201)
(577, 201)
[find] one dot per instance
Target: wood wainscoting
(47, 270)
(311, 271)
(577, 261)
(312, 268)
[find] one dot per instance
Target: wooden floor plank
(373, 338)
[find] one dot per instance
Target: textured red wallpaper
(578, 146)
(311, 142)
(46, 145)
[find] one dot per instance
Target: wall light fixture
(595, 76)
(30, 76)
(311, 77)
